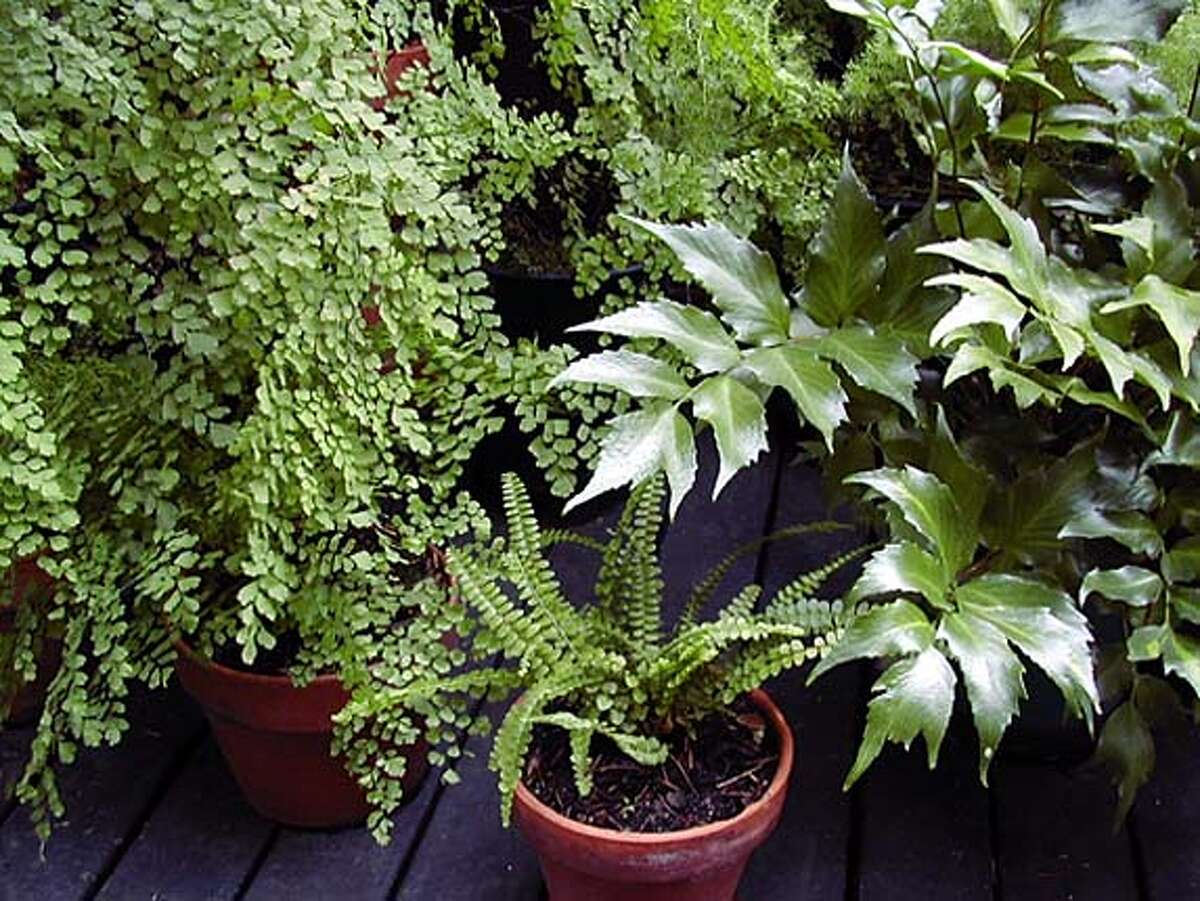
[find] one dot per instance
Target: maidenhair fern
(601, 665)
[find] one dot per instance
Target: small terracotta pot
(587, 863)
(276, 739)
(29, 583)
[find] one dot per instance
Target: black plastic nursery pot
(541, 306)
(276, 738)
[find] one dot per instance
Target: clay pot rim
(646, 840)
(260, 679)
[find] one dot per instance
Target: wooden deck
(160, 817)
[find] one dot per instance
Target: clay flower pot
(587, 863)
(29, 583)
(276, 739)
(398, 62)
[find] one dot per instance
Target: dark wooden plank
(704, 531)
(1166, 819)
(925, 834)
(807, 855)
(346, 863)
(201, 842)
(465, 854)
(1055, 840)
(14, 752)
(107, 793)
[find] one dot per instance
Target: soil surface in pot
(713, 774)
(277, 661)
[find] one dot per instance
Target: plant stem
(945, 117)
(1035, 121)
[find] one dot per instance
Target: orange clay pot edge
(778, 786)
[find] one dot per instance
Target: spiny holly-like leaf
(993, 675)
(1126, 749)
(1045, 624)
(1023, 262)
(1133, 585)
(740, 277)
(929, 507)
(638, 445)
(698, 334)
(913, 697)
(907, 567)
(898, 628)
(876, 361)
(1112, 21)
(810, 381)
(983, 300)
(635, 374)
(738, 420)
(1178, 308)
(848, 256)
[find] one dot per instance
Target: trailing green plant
(607, 664)
(243, 339)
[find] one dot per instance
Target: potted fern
(196, 430)
(639, 761)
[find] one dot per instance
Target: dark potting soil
(277, 661)
(710, 776)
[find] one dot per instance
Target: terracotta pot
(587, 863)
(276, 739)
(29, 583)
(399, 62)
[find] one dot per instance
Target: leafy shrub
(1049, 290)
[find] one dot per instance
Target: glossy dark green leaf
(848, 257)
(993, 675)
(914, 696)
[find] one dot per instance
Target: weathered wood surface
(161, 818)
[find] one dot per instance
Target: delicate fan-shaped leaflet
(929, 507)
(696, 333)
(849, 254)
(738, 420)
(1043, 623)
(811, 382)
(640, 444)
(993, 675)
(875, 360)
(904, 567)
(741, 278)
(913, 697)
(1131, 585)
(1178, 308)
(983, 300)
(895, 629)
(636, 374)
